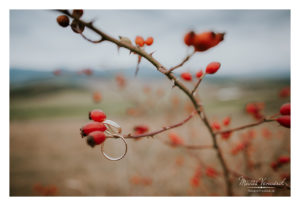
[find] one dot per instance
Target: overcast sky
(256, 40)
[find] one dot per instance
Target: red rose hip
(92, 127)
(139, 41)
(95, 138)
(199, 74)
(284, 121)
(285, 109)
(97, 115)
(149, 41)
(212, 67)
(189, 38)
(186, 76)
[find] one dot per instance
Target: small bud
(199, 74)
(77, 13)
(63, 20)
(77, 26)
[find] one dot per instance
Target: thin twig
(92, 41)
(245, 126)
(151, 134)
(182, 63)
(191, 147)
(197, 85)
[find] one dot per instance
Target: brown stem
(151, 134)
(182, 63)
(170, 75)
(92, 41)
(245, 126)
(197, 85)
(191, 147)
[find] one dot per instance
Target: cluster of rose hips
(254, 109)
(211, 68)
(76, 26)
(216, 126)
(94, 131)
(203, 41)
(285, 119)
(141, 42)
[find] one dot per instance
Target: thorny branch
(168, 73)
(245, 126)
(182, 63)
(197, 84)
(151, 134)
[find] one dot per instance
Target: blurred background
(56, 78)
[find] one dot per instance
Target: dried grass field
(49, 157)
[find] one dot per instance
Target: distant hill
(21, 77)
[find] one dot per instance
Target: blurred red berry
(195, 181)
(284, 121)
(175, 139)
(239, 147)
(226, 135)
(141, 129)
(121, 81)
(211, 172)
(266, 133)
(139, 41)
(199, 74)
(215, 125)
(57, 72)
(97, 97)
(274, 165)
(212, 67)
(226, 121)
(95, 138)
(189, 38)
(91, 127)
(97, 115)
(207, 40)
(149, 41)
(283, 160)
(186, 76)
(87, 72)
(254, 109)
(285, 92)
(285, 109)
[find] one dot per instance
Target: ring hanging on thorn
(115, 158)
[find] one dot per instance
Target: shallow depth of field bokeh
(49, 157)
